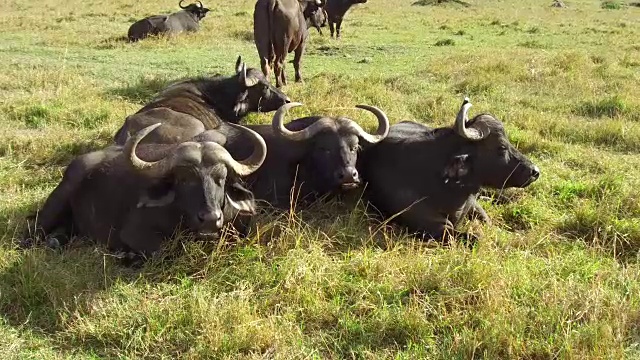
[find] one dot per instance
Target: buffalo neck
(434, 154)
(191, 15)
(221, 94)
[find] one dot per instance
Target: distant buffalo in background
(336, 9)
(280, 27)
(187, 19)
(316, 17)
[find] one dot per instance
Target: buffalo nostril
(354, 174)
(535, 172)
(213, 216)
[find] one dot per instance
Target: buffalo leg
(262, 40)
(331, 28)
(472, 209)
(264, 64)
(427, 224)
(338, 25)
(139, 236)
(283, 73)
(476, 210)
(277, 70)
(56, 212)
(281, 46)
(296, 61)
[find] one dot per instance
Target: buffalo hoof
(53, 243)
(26, 243)
(469, 240)
(132, 259)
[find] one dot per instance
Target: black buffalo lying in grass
(427, 179)
(188, 19)
(130, 204)
(316, 154)
(279, 27)
(189, 107)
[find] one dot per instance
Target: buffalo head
(257, 94)
(491, 159)
(332, 146)
(200, 179)
(198, 10)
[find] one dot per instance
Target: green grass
(557, 274)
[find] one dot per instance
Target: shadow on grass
(41, 285)
(608, 107)
(112, 42)
(243, 35)
(142, 90)
(439, 2)
(618, 239)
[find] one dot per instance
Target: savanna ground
(557, 275)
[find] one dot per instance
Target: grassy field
(557, 275)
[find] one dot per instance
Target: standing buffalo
(189, 107)
(336, 9)
(313, 156)
(279, 27)
(117, 198)
(187, 19)
(427, 179)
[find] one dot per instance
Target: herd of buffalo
(183, 162)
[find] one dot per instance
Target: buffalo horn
(461, 121)
(300, 135)
(201, 6)
(323, 123)
(153, 169)
(248, 82)
(180, 4)
(383, 125)
(250, 164)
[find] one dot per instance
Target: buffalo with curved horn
(427, 179)
(186, 20)
(131, 197)
(189, 107)
(314, 155)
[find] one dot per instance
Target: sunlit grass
(555, 276)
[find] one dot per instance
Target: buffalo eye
(218, 180)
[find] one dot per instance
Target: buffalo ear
(241, 199)
(457, 168)
(250, 80)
